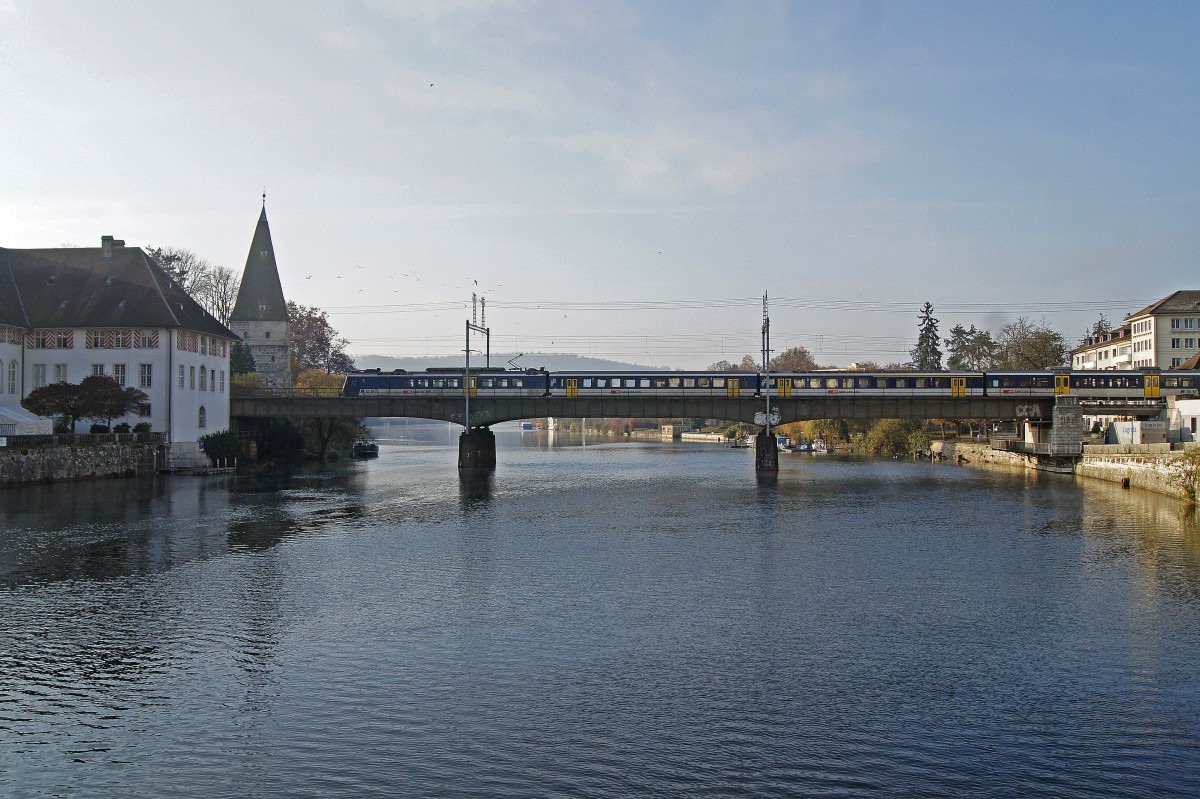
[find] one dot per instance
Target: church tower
(260, 313)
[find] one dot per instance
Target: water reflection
(598, 622)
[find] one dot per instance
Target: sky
(625, 179)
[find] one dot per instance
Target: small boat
(364, 449)
(742, 443)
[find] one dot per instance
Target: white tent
(25, 423)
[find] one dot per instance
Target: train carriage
(484, 381)
(949, 384)
(686, 384)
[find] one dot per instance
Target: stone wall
(52, 464)
(1148, 469)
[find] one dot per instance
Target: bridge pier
(477, 449)
(766, 453)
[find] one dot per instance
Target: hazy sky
(625, 179)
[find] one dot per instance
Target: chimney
(106, 246)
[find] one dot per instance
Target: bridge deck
(487, 411)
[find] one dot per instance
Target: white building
(1111, 350)
(1166, 333)
(70, 312)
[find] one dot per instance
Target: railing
(83, 439)
(1024, 448)
(8, 429)
(238, 393)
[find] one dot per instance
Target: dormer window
(262, 308)
(267, 334)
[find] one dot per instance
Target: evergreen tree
(927, 355)
(970, 349)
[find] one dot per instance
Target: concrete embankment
(49, 464)
(1145, 466)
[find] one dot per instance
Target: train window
(689, 382)
(1043, 382)
(718, 382)
(831, 382)
(1008, 382)
(453, 383)
(673, 382)
(1170, 382)
(703, 382)
(486, 382)
(813, 382)
(1187, 382)
(864, 382)
(518, 382)
(601, 382)
(644, 382)
(439, 383)
(423, 383)
(660, 382)
(847, 382)
(587, 382)
(901, 382)
(920, 382)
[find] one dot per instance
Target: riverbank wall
(75, 462)
(1146, 466)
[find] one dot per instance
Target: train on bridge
(1099, 386)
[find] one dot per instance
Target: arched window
(12, 377)
(203, 419)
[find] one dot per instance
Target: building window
(98, 369)
(203, 382)
(222, 380)
(267, 334)
(1175, 362)
(60, 373)
(1189, 324)
(204, 345)
(12, 377)
(1176, 343)
(203, 419)
(143, 409)
(119, 373)
(181, 375)
(192, 378)
(149, 340)
(145, 375)
(1176, 324)
(39, 375)
(1189, 343)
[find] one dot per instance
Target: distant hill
(553, 362)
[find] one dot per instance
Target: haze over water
(621, 619)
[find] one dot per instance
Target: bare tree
(214, 287)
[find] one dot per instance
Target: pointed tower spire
(260, 312)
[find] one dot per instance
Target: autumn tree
(1029, 345)
(927, 354)
(747, 364)
(315, 343)
(794, 359)
(322, 431)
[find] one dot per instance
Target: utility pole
(766, 357)
(478, 328)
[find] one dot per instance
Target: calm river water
(613, 620)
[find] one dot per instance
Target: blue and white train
(498, 382)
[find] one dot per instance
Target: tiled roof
(260, 296)
(79, 287)
(1179, 302)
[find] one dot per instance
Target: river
(602, 620)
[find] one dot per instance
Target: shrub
(98, 428)
(142, 427)
(123, 427)
(222, 446)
